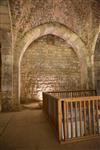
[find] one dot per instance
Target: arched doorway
(97, 65)
(49, 64)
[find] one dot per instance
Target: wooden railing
(79, 118)
(50, 106)
(77, 93)
(74, 119)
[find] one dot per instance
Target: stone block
(48, 65)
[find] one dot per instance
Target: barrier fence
(74, 118)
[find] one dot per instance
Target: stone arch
(61, 31)
(49, 64)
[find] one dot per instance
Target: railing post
(97, 117)
(71, 111)
(59, 120)
(85, 130)
(76, 119)
(65, 120)
(80, 109)
(89, 115)
(93, 107)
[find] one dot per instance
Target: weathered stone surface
(80, 16)
(48, 64)
(6, 73)
(97, 63)
(5, 57)
(6, 101)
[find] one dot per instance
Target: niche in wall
(49, 64)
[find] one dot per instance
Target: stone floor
(29, 129)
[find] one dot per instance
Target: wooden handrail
(78, 99)
(76, 112)
(71, 91)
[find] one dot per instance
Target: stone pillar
(16, 102)
(90, 73)
(6, 83)
(6, 71)
(6, 104)
(84, 74)
(90, 78)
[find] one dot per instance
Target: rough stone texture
(6, 56)
(80, 16)
(48, 65)
(21, 23)
(6, 102)
(6, 80)
(97, 63)
(4, 14)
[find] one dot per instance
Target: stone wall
(97, 63)
(6, 55)
(82, 17)
(77, 22)
(49, 64)
(6, 51)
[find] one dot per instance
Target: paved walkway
(29, 129)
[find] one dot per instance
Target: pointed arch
(61, 31)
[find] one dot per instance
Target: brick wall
(48, 64)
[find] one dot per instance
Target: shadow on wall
(98, 87)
